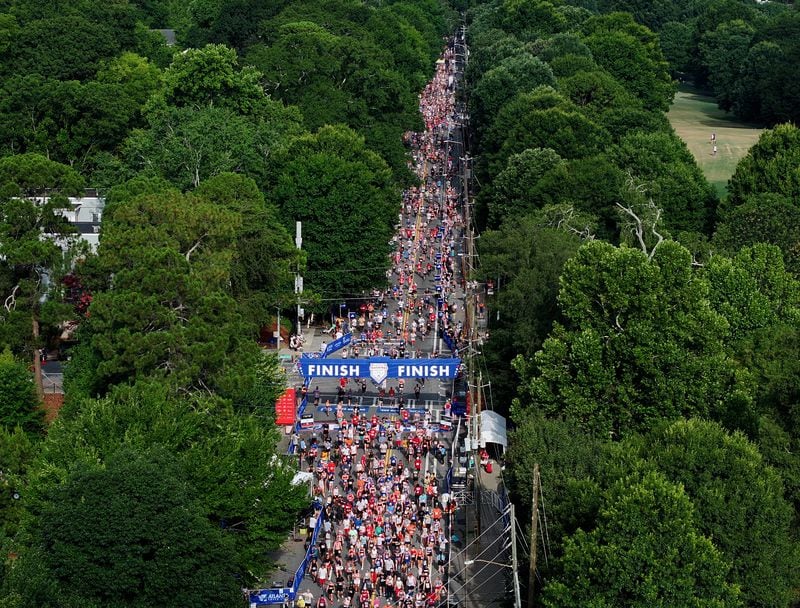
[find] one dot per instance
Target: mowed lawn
(695, 117)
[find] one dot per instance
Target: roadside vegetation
(646, 319)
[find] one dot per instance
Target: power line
(474, 540)
(387, 267)
(544, 544)
(476, 574)
(463, 569)
(522, 538)
(546, 536)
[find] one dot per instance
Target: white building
(85, 214)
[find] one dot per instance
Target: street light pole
(278, 331)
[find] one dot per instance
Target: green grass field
(695, 117)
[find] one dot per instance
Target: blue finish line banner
(379, 368)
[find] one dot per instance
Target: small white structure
(493, 429)
(86, 214)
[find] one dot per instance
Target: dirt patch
(51, 406)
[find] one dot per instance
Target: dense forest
(646, 332)
(746, 53)
(644, 337)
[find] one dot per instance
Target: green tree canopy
(621, 121)
(139, 77)
(211, 76)
(30, 174)
(568, 43)
(17, 451)
(752, 290)
(346, 76)
(125, 532)
(781, 450)
(647, 550)
(771, 165)
(488, 49)
(541, 119)
(225, 457)
(265, 255)
(69, 47)
(36, 248)
(723, 52)
(671, 177)
(595, 92)
(189, 145)
(763, 218)
(569, 461)
(593, 185)
(410, 52)
(676, 42)
(513, 192)
(519, 73)
(653, 14)
(529, 19)
(18, 403)
(235, 23)
(640, 343)
(766, 88)
(525, 257)
(66, 121)
(336, 186)
(568, 65)
(136, 186)
(165, 310)
(630, 53)
(738, 503)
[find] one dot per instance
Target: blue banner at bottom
(270, 596)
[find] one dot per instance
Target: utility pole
(37, 360)
(534, 534)
(514, 564)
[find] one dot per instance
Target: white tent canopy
(493, 428)
(302, 477)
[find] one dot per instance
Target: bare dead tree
(566, 218)
(195, 246)
(641, 224)
(11, 301)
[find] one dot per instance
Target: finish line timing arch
(380, 368)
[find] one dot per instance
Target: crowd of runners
(385, 535)
(424, 269)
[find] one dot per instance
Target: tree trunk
(37, 362)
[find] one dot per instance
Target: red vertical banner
(284, 408)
